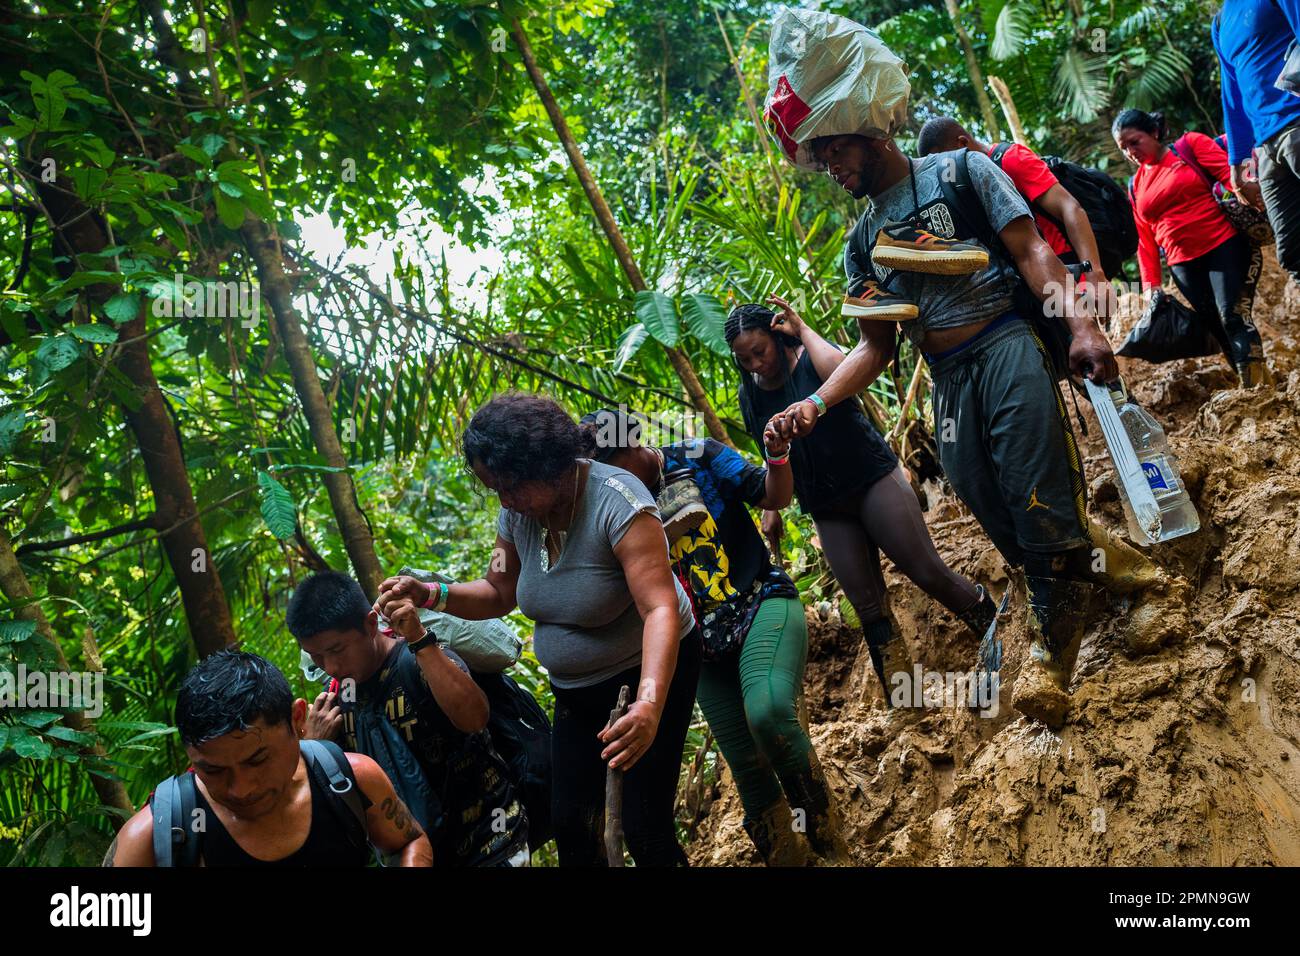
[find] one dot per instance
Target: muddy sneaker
(775, 837)
(903, 246)
(874, 302)
(1055, 624)
(681, 505)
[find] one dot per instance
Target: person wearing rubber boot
(751, 620)
(1004, 438)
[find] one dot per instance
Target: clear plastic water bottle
(1160, 468)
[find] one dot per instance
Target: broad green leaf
(229, 211)
(37, 718)
(194, 154)
(12, 421)
(658, 314)
(11, 632)
(58, 352)
(212, 144)
(123, 307)
(705, 316)
(278, 510)
(59, 732)
(99, 334)
(33, 747)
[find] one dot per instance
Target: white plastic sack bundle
(487, 647)
(829, 76)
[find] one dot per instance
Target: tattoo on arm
(395, 810)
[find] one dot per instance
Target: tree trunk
(185, 545)
(15, 586)
(1003, 93)
(976, 75)
(680, 362)
(277, 292)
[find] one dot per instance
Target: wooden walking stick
(614, 793)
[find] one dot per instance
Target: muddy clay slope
(1183, 743)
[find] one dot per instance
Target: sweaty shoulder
(133, 845)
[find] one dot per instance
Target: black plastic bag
(1168, 331)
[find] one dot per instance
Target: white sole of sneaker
(884, 313)
(934, 263)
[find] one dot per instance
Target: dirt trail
(1185, 755)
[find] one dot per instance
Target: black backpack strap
(327, 762)
(998, 152)
(173, 805)
(964, 202)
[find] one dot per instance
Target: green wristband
(818, 403)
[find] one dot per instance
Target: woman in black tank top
(330, 842)
(850, 483)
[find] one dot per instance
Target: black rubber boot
(890, 656)
(1246, 351)
(807, 791)
(1056, 620)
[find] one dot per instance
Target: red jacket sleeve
(1211, 157)
(1148, 251)
(1029, 173)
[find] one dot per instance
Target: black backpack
(521, 735)
(970, 221)
(1105, 203)
(177, 843)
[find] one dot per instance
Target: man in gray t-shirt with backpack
(941, 250)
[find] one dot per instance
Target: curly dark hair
(519, 437)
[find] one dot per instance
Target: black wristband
(423, 642)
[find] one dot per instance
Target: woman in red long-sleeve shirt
(1213, 265)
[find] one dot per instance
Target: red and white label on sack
(784, 114)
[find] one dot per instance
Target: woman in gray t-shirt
(580, 549)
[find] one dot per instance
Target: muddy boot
(1055, 623)
(890, 656)
(775, 838)
(1120, 568)
(1246, 351)
(807, 791)
(982, 620)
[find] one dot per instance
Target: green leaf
(212, 144)
(229, 211)
(123, 307)
(11, 424)
(11, 632)
(194, 154)
(37, 718)
(658, 314)
(278, 510)
(10, 493)
(33, 747)
(99, 334)
(230, 189)
(705, 316)
(629, 343)
(59, 732)
(58, 352)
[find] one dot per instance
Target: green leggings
(751, 704)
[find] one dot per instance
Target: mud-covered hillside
(1182, 746)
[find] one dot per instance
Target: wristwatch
(418, 645)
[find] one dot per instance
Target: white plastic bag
(487, 647)
(829, 76)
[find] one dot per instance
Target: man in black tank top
(257, 801)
